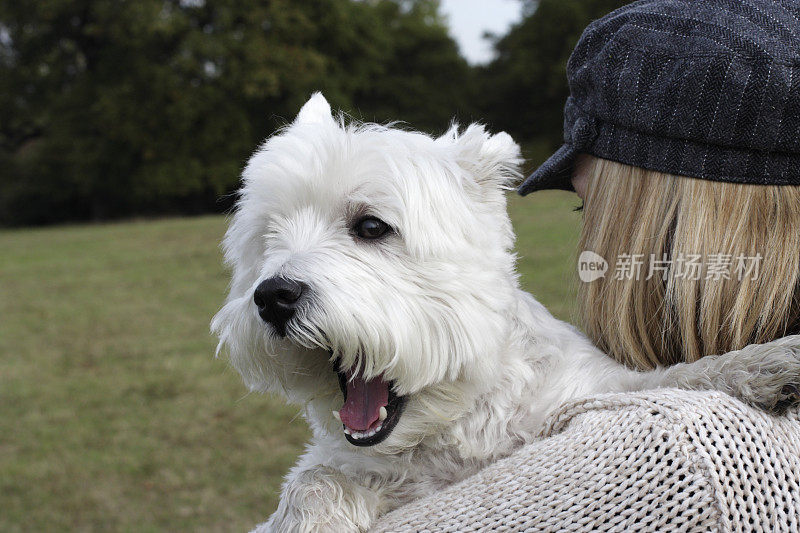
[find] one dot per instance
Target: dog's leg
(322, 499)
(764, 375)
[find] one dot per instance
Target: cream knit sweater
(666, 460)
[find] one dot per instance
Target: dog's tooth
(347, 430)
(383, 414)
(336, 415)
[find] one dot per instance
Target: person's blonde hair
(641, 322)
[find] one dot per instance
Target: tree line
(118, 108)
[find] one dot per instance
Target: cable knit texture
(666, 460)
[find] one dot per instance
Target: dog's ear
(493, 160)
(316, 111)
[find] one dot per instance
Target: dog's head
(371, 263)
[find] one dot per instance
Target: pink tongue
(364, 401)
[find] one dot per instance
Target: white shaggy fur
(435, 307)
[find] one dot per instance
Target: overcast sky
(470, 19)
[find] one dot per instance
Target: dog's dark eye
(371, 228)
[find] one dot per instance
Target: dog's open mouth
(370, 411)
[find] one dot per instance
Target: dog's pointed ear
(316, 111)
(493, 160)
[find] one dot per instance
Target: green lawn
(114, 414)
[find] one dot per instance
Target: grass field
(114, 414)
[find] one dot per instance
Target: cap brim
(555, 173)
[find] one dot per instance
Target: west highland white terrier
(374, 284)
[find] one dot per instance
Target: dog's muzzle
(277, 300)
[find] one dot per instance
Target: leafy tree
(422, 79)
(525, 88)
(111, 107)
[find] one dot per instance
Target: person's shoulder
(663, 459)
(747, 459)
(709, 410)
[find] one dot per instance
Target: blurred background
(124, 125)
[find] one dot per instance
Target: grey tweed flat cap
(701, 88)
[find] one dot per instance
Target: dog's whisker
(297, 414)
(244, 397)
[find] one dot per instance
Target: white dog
(376, 265)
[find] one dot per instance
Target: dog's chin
(371, 409)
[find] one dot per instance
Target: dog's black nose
(277, 300)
